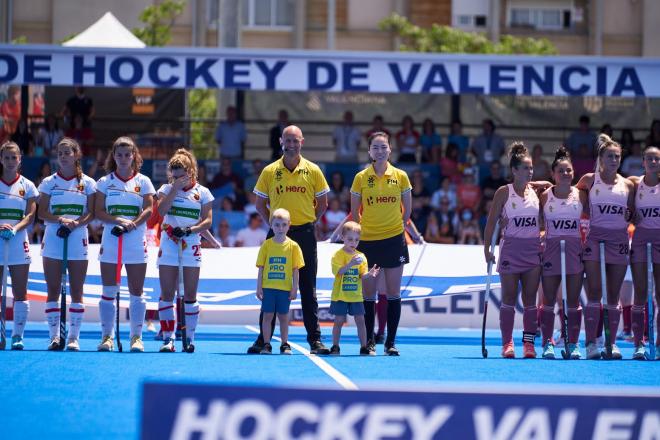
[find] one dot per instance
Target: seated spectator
(468, 192)
(583, 162)
(332, 218)
(346, 140)
(228, 183)
(339, 190)
(627, 140)
(378, 125)
(251, 205)
(419, 189)
(23, 137)
(461, 141)
(431, 142)
(202, 178)
(632, 165)
(582, 136)
(251, 179)
(653, 138)
(446, 191)
(491, 183)
(607, 129)
(225, 237)
(449, 164)
(541, 166)
(83, 135)
(407, 140)
(231, 136)
(227, 204)
(97, 168)
(275, 135)
(438, 233)
(468, 229)
(487, 147)
(419, 214)
(446, 215)
(253, 235)
(49, 135)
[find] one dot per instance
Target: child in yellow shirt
(279, 262)
(349, 267)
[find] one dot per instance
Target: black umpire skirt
(389, 252)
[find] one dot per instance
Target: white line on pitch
(342, 380)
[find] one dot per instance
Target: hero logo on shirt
(386, 199)
(370, 200)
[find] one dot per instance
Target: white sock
(53, 318)
(136, 309)
(192, 317)
(167, 319)
(21, 310)
(76, 310)
(107, 311)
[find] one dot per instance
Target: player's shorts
(638, 247)
(342, 308)
(551, 256)
(518, 255)
(19, 249)
(275, 301)
(387, 253)
(134, 247)
(168, 255)
(617, 246)
(53, 246)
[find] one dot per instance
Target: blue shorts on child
(343, 308)
(275, 301)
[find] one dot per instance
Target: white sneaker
(136, 344)
(616, 353)
(640, 353)
(106, 344)
(168, 346)
(574, 351)
(593, 352)
(72, 345)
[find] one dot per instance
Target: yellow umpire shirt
(294, 191)
(381, 201)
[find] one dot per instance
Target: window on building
(470, 21)
(543, 19)
(267, 13)
(480, 21)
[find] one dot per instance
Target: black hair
(376, 134)
(561, 154)
(517, 153)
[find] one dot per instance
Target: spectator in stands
(10, 112)
(23, 138)
(346, 140)
(419, 189)
(468, 192)
(632, 165)
(251, 179)
(583, 162)
(378, 126)
(653, 138)
(431, 142)
(468, 229)
(225, 237)
(445, 192)
(627, 140)
(438, 233)
(339, 190)
(275, 135)
(202, 178)
(449, 164)
(83, 135)
(541, 166)
(231, 136)
(583, 136)
(97, 169)
(461, 141)
(607, 129)
(407, 140)
(251, 206)
(487, 147)
(332, 218)
(227, 182)
(49, 135)
(227, 204)
(446, 215)
(253, 234)
(419, 213)
(79, 105)
(494, 181)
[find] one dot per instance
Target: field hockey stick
(484, 351)
(3, 311)
(606, 315)
(65, 262)
(651, 293)
(181, 311)
(564, 302)
(118, 282)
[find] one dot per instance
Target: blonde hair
(604, 142)
(127, 142)
(351, 226)
(77, 152)
(281, 214)
(183, 158)
(9, 145)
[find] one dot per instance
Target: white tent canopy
(106, 32)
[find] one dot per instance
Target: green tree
(445, 39)
(158, 20)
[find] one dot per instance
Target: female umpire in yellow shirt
(381, 201)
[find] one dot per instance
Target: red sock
(507, 317)
(614, 317)
(547, 322)
(638, 324)
(627, 319)
(591, 319)
(574, 324)
(381, 311)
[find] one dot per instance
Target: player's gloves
(180, 232)
(7, 234)
(63, 232)
(117, 230)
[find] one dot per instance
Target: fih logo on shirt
(350, 280)
(276, 267)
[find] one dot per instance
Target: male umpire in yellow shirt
(297, 185)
